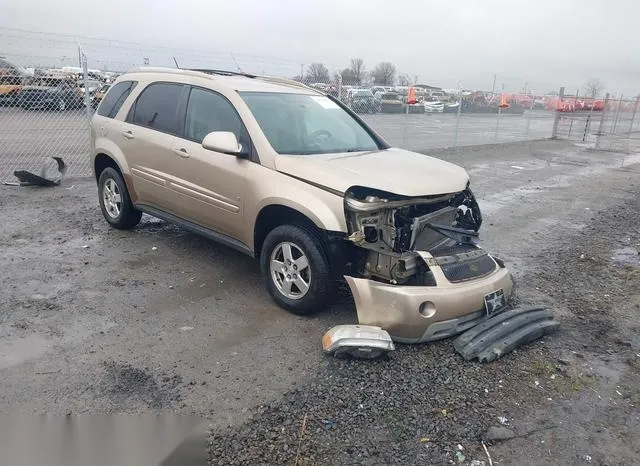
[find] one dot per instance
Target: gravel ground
(98, 321)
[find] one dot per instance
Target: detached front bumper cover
(417, 314)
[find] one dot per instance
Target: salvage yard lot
(95, 320)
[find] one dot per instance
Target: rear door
(147, 138)
(211, 184)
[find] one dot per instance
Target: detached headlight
(360, 341)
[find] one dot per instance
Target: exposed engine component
(390, 228)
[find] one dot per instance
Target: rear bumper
(416, 314)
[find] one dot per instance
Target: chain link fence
(601, 123)
(50, 85)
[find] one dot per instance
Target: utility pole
(493, 88)
(301, 70)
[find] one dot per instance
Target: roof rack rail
(223, 72)
(287, 81)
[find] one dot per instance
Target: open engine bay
(393, 233)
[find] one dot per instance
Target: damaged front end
(417, 270)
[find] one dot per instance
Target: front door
(210, 184)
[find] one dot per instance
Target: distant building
(426, 87)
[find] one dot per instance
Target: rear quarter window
(114, 98)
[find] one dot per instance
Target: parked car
(10, 87)
(432, 105)
(92, 84)
(390, 102)
(50, 93)
(99, 95)
(440, 95)
(451, 107)
(362, 101)
(282, 172)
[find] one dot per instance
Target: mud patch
(129, 386)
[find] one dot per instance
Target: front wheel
(115, 203)
(295, 269)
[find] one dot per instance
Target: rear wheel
(295, 269)
(115, 202)
(62, 105)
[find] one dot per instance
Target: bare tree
(593, 88)
(404, 80)
(384, 73)
(317, 73)
(349, 78)
(357, 68)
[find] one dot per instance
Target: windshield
(307, 124)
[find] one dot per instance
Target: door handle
(182, 152)
(128, 134)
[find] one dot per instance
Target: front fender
(325, 209)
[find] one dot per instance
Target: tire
(62, 105)
(119, 214)
(316, 274)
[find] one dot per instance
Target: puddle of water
(18, 350)
(627, 256)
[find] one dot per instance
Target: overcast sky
(543, 43)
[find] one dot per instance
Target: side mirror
(223, 141)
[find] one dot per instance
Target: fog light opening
(427, 309)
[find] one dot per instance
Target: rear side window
(157, 107)
(114, 98)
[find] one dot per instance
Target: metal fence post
(455, 138)
(586, 128)
(85, 72)
(601, 127)
(587, 125)
(526, 134)
(498, 123)
(633, 116)
(340, 87)
(575, 102)
(556, 120)
(615, 122)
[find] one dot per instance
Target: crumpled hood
(392, 170)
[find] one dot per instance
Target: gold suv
(286, 173)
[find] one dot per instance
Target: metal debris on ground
(360, 341)
(502, 333)
(50, 174)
